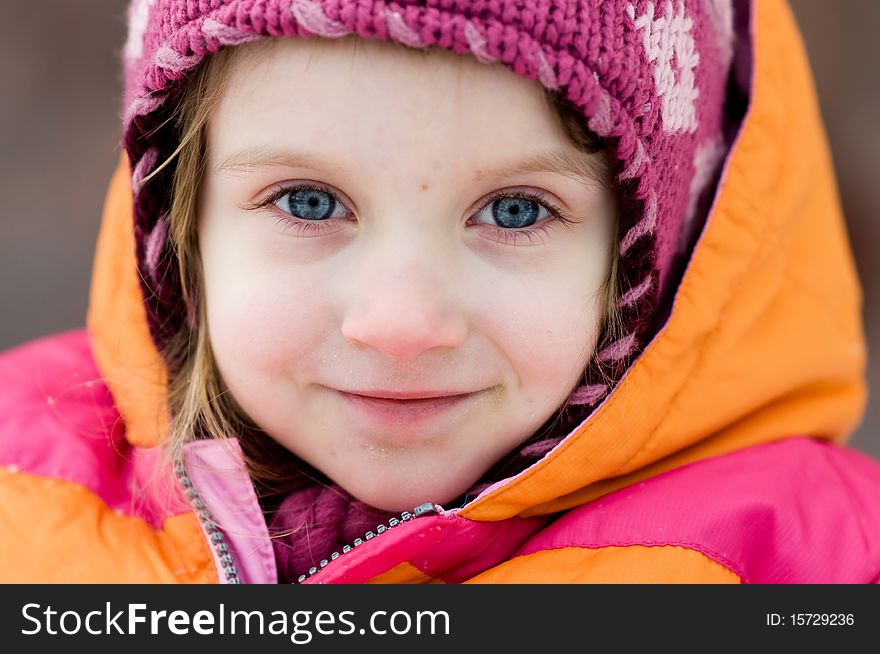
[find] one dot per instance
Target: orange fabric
(636, 564)
(117, 322)
(62, 547)
(764, 340)
(404, 573)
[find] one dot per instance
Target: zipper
(227, 561)
(215, 536)
(428, 508)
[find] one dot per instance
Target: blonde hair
(200, 404)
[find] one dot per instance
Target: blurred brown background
(59, 71)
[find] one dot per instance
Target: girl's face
(403, 257)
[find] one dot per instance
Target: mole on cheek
(424, 187)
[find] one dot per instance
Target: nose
(402, 310)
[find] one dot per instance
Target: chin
(400, 497)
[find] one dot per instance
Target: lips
(396, 408)
(407, 395)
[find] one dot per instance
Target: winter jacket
(718, 458)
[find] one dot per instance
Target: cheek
(264, 321)
(562, 341)
(264, 313)
(547, 325)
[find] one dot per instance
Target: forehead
(369, 101)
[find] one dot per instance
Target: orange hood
(764, 340)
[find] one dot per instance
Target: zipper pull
(428, 508)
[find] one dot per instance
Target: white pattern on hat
(706, 160)
(634, 294)
(311, 16)
(144, 106)
(721, 15)
(600, 121)
(665, 38)
(586, 395)
(170, 59)
(546, 73)
(139, 18)
(225, 34)
(639, 158)
(143, 168)
(645, 226)
(400, 31)
(619, 349)
(477, 43)
(155, 245)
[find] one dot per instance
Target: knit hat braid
(649, 76)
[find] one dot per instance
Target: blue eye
(512, 212)
(308, 203)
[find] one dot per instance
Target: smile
(406, 409)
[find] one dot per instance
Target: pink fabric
(59, 421)
(444, 546)
(793, 511)
(218, 474)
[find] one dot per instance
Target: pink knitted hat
(649, 75)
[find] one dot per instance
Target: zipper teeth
(428, 508)
(215, 535)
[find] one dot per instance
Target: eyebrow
(570, 163)
(261, 157)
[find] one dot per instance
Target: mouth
(410, 408)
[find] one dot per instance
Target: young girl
(490, 292)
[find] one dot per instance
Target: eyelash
(505, 236)
(513, 236)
